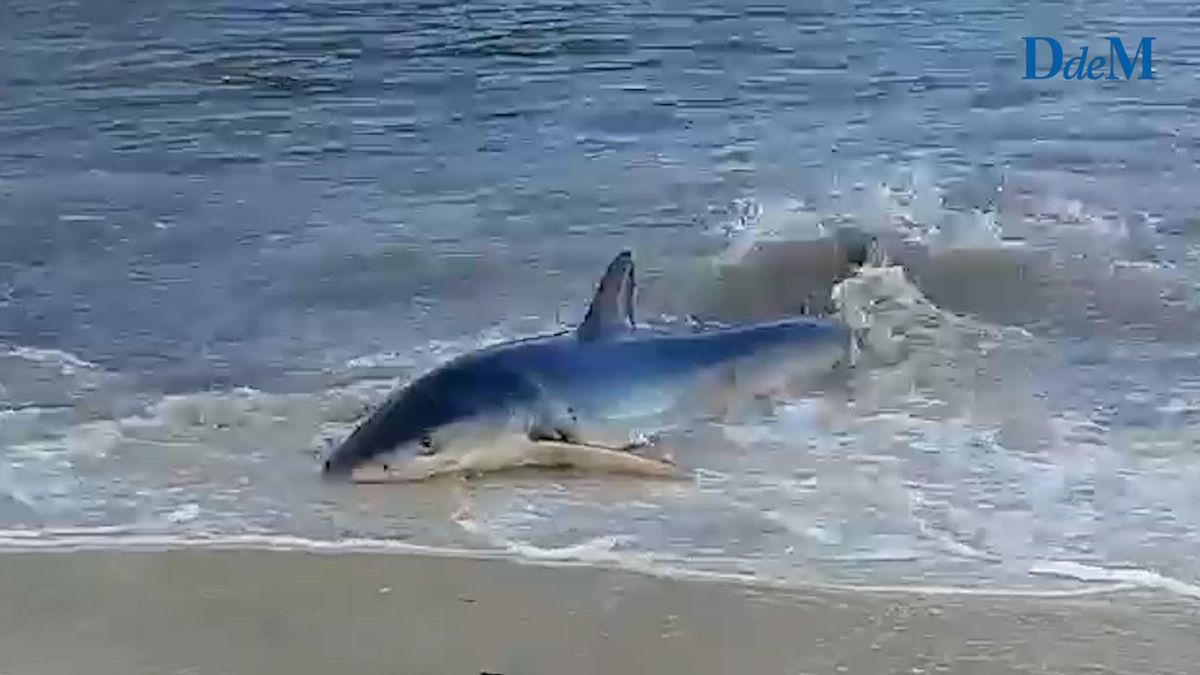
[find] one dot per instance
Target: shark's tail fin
(859, 247)
(880, 305)
(887, 314)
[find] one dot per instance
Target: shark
(580, 398)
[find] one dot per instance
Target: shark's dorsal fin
(611, 312)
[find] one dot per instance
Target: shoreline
(64, 542)
(303, 612)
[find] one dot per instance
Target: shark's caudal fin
(611, 312)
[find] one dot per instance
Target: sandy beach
(214, 612)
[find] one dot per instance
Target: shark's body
(557, 399)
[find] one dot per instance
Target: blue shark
(575, 398)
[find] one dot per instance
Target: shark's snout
(346, 464)
(335, 467)
(370, 442)
(343, 470)
(331, 470)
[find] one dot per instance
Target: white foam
(591, 554)
(597, 549)
(66, 362)
(381, 360)
(185, 513)
(1132, 576)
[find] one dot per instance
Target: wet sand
(297, 613)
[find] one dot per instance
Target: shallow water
(226, 231)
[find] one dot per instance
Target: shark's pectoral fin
(597, 458)
(566, 429)
(555, 420)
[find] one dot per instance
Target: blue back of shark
(605, 367)
(572, 366)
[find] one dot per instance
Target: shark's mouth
(406, 470)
